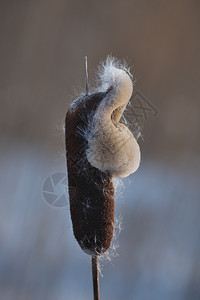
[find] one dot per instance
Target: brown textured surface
(91, 191)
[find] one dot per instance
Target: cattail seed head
(99, 147)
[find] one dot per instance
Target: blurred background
(43, 44)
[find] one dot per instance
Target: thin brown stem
(86, 76)
(95, 277)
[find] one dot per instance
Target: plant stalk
(95, 271)
(95, 277)
(86, 76)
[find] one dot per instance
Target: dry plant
(99, 148)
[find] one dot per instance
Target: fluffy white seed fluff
(111, 145)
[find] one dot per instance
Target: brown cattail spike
(98, 148)
(91, 191)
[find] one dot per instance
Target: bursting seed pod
(99, 148)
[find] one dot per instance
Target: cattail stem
(95, 271)
(86, 76)
(95, 277)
